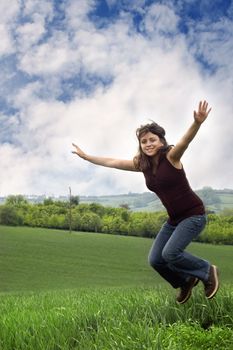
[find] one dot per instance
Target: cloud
(94, 85)
(8, 13)
(161, 19)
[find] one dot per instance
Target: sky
(92, 71)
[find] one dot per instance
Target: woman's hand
(202, 113)
(78, 151)
(175, 153)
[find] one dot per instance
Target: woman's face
(150, 144)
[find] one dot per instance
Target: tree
(16, 200)
(74, 200)
(9, 216)
(90, 222)
(48, 201)
(97, 209)
(125, 206)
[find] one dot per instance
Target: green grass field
(40, 259)
(35, 259)
(89, 291)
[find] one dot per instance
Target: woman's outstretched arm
(107, 162)
(175, 154)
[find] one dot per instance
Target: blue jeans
(167, 255)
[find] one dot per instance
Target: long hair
(143, 162)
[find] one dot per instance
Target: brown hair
(141, 160)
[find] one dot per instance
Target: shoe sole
(217, 283)
(190, 292)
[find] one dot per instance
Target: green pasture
(41, 259)
(226, 201)
(86, 291)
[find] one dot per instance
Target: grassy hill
(35, 259)
(41, 259)
(216, 200)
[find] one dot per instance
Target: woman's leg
(156, 260)
(181, 261)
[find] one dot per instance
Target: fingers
(77, 148)
(74, 145)
(208, 111)
(78, 151)
(200, 106)
(203, 107)
(202, 113)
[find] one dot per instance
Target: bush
(10, 216)
(90, 222)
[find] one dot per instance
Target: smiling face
(150, 144)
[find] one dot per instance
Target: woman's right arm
(121, 164)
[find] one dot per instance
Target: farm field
(35, 259)
(94, 291)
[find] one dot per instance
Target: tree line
(72, 215)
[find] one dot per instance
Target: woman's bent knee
(170, 256)
(154, 261)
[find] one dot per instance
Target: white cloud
(37, 14)
(45, 59)
(34, 7)
(30, 33)
(6, 44)
(17, 175)
(9, 10)
(76, 13)
(214, 42)
(161, 19)
(8, 14)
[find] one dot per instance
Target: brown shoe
(186, 290)
(212, 284)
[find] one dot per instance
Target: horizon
(108, 195)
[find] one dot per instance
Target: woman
(164, 175)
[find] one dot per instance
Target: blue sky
(92, 71)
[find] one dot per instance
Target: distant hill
(214, 200)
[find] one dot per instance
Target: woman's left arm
(175, 153)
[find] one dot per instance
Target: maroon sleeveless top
(172, 187)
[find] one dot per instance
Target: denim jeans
(167, 255)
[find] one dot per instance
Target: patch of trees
(17, 211)
(219, 228)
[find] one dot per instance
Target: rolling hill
(215, 200)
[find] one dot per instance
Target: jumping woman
(164, 175)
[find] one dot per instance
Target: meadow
(93, 291)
